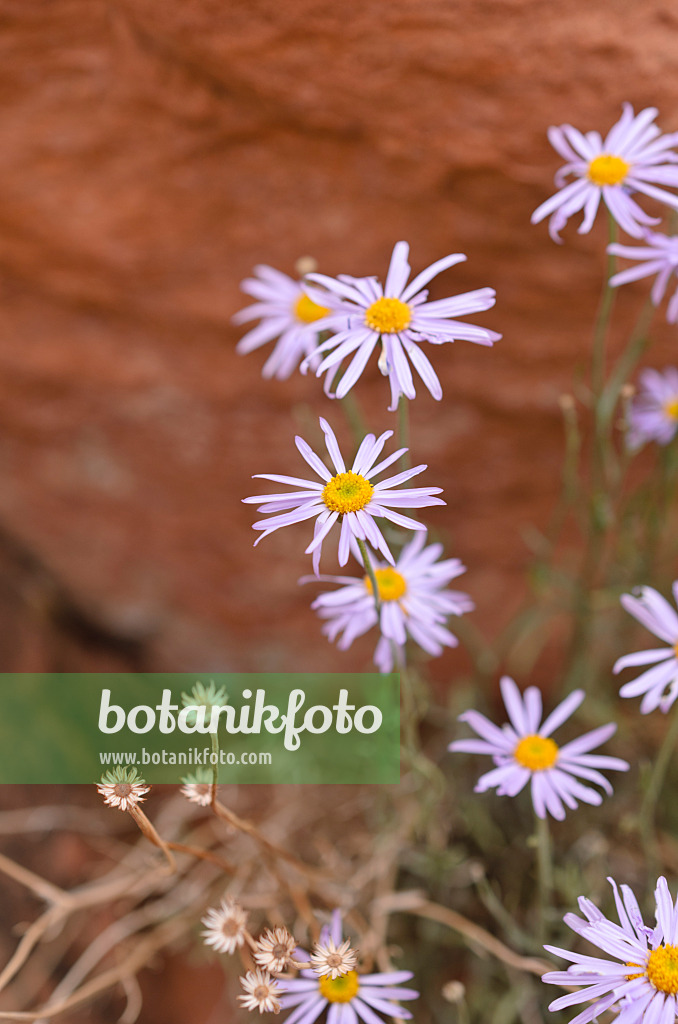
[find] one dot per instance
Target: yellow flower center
(339, 990)
(608, 170)
(390, 584)
(347, 492)
(388, 316)
(307, 310)
(671, 409)
(662, 969)
(536, 752)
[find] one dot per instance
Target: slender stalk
(603, 320)
(544, 872)
(367, 565)
(648, 807)
(404, 431)
(215, 766)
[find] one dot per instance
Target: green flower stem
(603, 320)
(367, 565)
(626, 363)
(646, 820)
(215, 766)
(404, 431)
(544, 872)
(354, 416)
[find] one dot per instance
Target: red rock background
(152, 152)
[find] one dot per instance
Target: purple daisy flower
(524, 751)
(659, 256)
(653, 413)
(643, 985)
(350, 496)
(350, 997)
(364, 312)
(286, 313)
(414, 603)
(656, 614)
(634, 157)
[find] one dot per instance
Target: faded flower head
(262, 992)
(287, 314)
(653, 413)
(331, 960)
(225, 926)
(274, 948)
(122, 788)
(198, 787)
(634, 157)
(203, 696)
(523, 752)
(641, 978)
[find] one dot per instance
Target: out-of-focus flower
(202, 696)
(286, 313)
(262, 992)
(641, 979)
(414, 602)
(331, 961)
(364, 312)
(635, 157)
(653, 413)
(524, 752)
(659, 256)
(225, 926)
(350, 496)
(122, 788)
(655, 613)
(349, 997)
(274, 948)
(198, 787)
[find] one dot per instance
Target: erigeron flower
(658, 256)
(363, 312)
(122, 788)
(658, 684)
(198, 787)
(653, 413)
(274, 948)
(350, 497)
(262, 992)
(524, 752)
(638, 976)
(285, 312)
(414, 603)
(225, 926)
(332, 961)
(349, 997)
(634, 157)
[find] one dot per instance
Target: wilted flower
(524, 751)
(198, 787)
(331, 961)
(286, 313)
(261, 992)
(414, 603)
(655, 613)
(659, 256)
(349, 996)
(225, 926)
(653, 413)
(202, 696)
(122, 788)
(641, 980)
(274, 948)
(350, 496)
(363, 312)
(634, 157)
